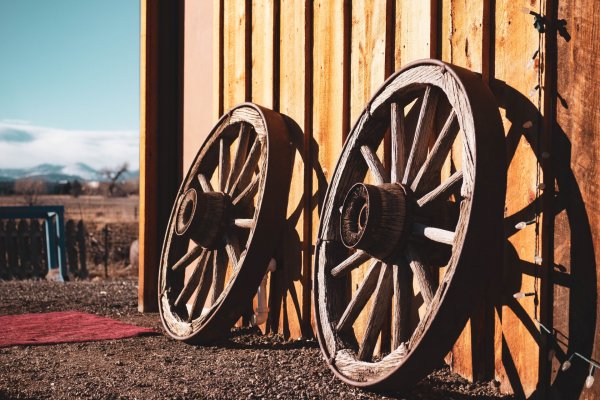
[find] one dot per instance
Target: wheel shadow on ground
(254, 339)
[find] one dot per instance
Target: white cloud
(60, 146)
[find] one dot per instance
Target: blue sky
(69, 72)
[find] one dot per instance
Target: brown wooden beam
(308, 163)
(347, 44)
(161, 134)
(549, 125)
(435, 21)
(488, 37)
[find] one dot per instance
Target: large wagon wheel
(432, 220)
(224, 224)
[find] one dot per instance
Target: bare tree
(113, 176)
(30, 189)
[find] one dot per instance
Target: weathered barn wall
(320, 61)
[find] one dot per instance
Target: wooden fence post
(12, 249)
(71, 248)
(36, 247)
(81, 236)
(4, 270)
(24, 249)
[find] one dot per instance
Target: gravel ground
(245, 365)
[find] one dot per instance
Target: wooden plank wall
(320, 61)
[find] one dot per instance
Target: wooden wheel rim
(270, 187)
(481, 210)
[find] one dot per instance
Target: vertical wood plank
(263, 67)
(546, 242)
(465, 37)
(328, 90)
(331, 84)
(367, 74)
(218, 57)
(516, 41)
(199, 112)
(367, 59)
(292, 102)
(463, 43)
(575, 158)
(412, 42)
(263, 51)
(412, 31)
(234, 53)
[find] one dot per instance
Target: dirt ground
(244, 365)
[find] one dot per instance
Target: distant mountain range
(56, 173)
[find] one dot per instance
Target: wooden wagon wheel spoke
(203, 289)
(248, 193)
(450, 185)
(249, 166)
(232, 247)
(227, 229)
(205, 183)
(422, 134)
(402, 303)
(377, 313)
(375, 165)
(239, 158)
(218, 275)
(435, 234)
(399, 142)
(192, 283)
(224, 163)
(438, 153)
(350, 263)
(244, 223)
(422, 273)
(360, 298)
(188, 258)
(421, 220)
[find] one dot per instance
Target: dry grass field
(97, 209)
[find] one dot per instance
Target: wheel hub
(203, 217)
(375, 219)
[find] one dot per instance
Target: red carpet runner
(63, 327)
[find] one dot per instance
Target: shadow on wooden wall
(291, 270)
(575, 281)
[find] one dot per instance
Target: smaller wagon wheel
(428, 220)
(224, 224)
